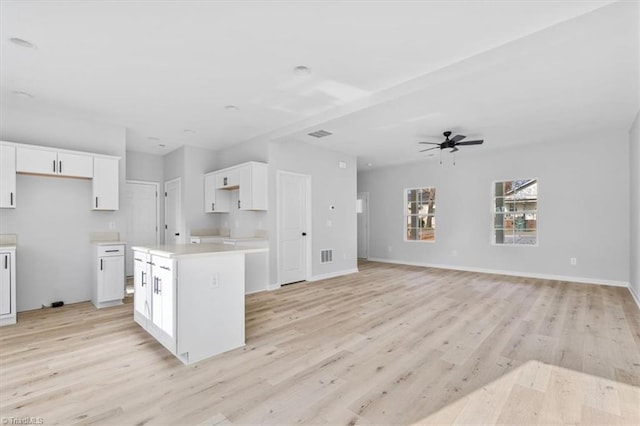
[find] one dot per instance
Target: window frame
(405, 215)
(492, 228)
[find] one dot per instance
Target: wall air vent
(320, 133)
(326, 256)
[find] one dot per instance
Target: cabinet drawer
(114, 250)
(162, 262)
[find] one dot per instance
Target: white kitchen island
(190, 297)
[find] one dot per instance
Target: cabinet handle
(155, 284)
(238, 203)
(213, 206)
(11, 199)
(139, 260)
(142, 283)
(59, 166)
(96, 202)
(224, 181)
(165, 267)
(6, 258)
(54, 166)
(112, 251)
(101, 264)
(159, 286)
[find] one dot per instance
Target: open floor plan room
(391, 344)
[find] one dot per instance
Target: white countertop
(108, 243)
(182, 250)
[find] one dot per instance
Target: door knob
(304, 234)
(177, 234)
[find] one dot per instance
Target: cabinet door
(209, 193)
(142, 282)
(253, 187)
(163, 310)
(7, 176)
(227, 179)
(39, 161)
(5, 284)
(111, 278)
(75, 165)
(105, 184)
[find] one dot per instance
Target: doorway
(173, 212)
(294, 223)
(362, 209)
(141, 210)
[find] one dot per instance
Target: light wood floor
(390, 345)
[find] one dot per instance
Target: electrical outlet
(573, 261)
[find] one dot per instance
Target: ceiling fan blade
(478, 142)
(429, 149)
(430, 143)
(457, 138)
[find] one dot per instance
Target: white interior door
(141, 209)
(362, 209)
(293, 233)
(172, 212)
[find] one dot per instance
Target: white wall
(330, 185)
(634, 163)
(53, 218)
(583, 209)
(198, 161)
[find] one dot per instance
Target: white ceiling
(384, 74)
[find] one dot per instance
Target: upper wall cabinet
(7, 177)
(250, 179)
(105, 184)
(51, 162)
(252, 186)
(40, 160)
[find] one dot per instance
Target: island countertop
(183, 250)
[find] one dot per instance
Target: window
(515, 213)
(420, 213)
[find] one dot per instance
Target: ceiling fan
(452, 143)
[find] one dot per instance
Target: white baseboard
(272, 287)
(581, 280)
(635, 296)
(333, 274)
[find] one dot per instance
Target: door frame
(179, 210)
(308, 217)
(364, 196)
(157, 186)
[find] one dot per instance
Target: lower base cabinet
(193, 305)
(109, 275)
(7, 286)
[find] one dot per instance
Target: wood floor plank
(392, 344)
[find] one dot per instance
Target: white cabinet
(7, 176)
(215, 200)
(227, 178)
(45, 161)
(7, 286)
(108, 286)
(163, 294)
(50, 162)
(142, 284)
(253, 186)
(250, 179)
(105, 183)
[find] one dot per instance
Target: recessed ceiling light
(370, 164)
(161, 145)
(153, 138)
(189, 131)
(22, 42)
(302, 70)
(22, 94)
(231, 108)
